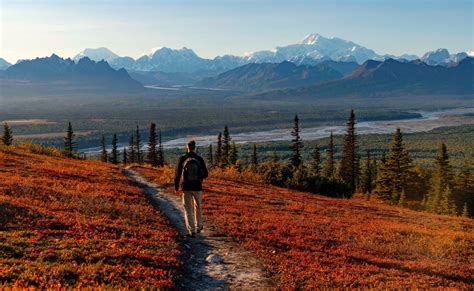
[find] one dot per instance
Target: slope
(310, 241)
(71, 223)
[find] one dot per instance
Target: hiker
(190, 173)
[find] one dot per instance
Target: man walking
(190, 173)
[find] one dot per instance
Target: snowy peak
(164, 51)
(442, 57)
(4, 64)
(311, 39)
(97, 54)
(317, 47)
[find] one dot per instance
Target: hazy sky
(40, 27)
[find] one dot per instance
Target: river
(429, 120)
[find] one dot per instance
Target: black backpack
(192, 172)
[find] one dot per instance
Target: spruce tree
(152, 155)
(226, 146)
(69, 141)
(402, 200)
(374, 168)
(348, 169)
(447, 204)
(103, 149)
(398, 164)
(383, 159)
(393, 173)
(161, 152)
(210, 156)
(316, 161)
(124, 156)
(464, 185)
(296, 144)
(254, 160)
(114, 153)
(7, 137)
(131, 150)
(138, 146)
(233, 155)
(367, 175)
(440, 180)
(464, 178)
(465, 210)
(329, 166)
(218, 159)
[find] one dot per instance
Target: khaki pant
(192, 210)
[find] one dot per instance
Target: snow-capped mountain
(170, 60)
(317, 47)
(311, 50)
(97, 54)
(442, 57)
(4, 64)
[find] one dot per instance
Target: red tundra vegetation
(72, 223)
(310, 241)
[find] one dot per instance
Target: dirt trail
(212, 260)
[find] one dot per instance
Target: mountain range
(266, 76)
(313, 49)
(55, 75)
(316, 66)
(389, 78)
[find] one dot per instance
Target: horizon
(33, 29)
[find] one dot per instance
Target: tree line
(393, 177)
(132, 154)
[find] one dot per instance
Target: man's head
(190, 146)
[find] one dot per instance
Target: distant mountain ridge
(265, 76)
(97, 54)
(4, 64)
(442, 57)
(59, 75)
(389, 78)
(312, 50)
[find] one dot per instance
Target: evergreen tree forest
(392, 177)
(332, 169)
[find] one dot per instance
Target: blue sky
(40, 27)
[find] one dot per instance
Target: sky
(38, 28)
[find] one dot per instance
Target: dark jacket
(179, 171)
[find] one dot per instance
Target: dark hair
(191, 145)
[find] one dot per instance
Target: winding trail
(212, 260)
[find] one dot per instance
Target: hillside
(310, 241)
(266, 76)
(57, 76)
(389, 78)
(70, 223)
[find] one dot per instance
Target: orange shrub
(310, 241)
(71, 223)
